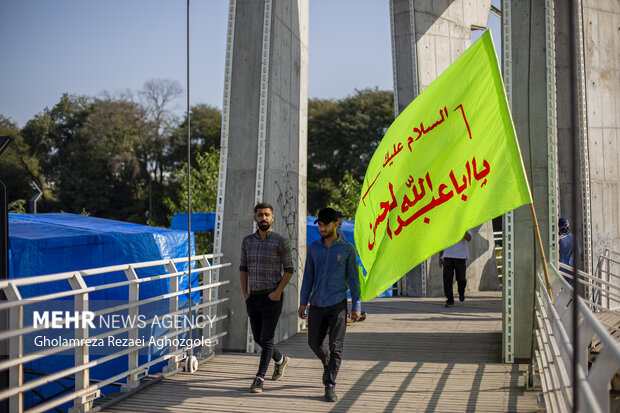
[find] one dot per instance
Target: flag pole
(542, 251)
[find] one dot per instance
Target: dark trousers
(450, 267)
(320, 321)
(264, 315)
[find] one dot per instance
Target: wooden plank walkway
(410, 354)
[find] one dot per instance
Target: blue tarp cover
(201, 221)
(59, 242)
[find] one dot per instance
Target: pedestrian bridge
(410, 354)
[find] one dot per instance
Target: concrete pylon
(264, 145)
(601, 67)
(598, 123)
(428, 36)
(530, 85)
(537, 62)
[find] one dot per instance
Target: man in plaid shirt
(264, 255)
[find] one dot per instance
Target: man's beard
(264, 226)
(328, 234)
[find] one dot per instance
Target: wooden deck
(410, 354)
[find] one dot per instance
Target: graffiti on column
(286, 202)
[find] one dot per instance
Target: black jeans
(320, 320)
(451, 266)
(264, 315)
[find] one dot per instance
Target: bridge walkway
(410, 354)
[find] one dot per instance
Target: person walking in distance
(454, 261)
(266, 267)
(331, 269)
(566, 241)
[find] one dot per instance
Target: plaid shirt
(264, 260)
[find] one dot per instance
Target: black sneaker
(278, 370)
(257, 385)
(462, 297)
(330, 394)
(449, 303)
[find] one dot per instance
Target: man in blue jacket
(331, 269)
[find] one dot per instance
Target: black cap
(327, 215)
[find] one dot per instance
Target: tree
(158, 96)
(343, 136)
(320, 194)
(203, 181)
(114, 128)
(205, 125)
(349, 196)
(50, 135)
(17, 166)
(86, 148)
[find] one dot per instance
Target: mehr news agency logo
(64, 320)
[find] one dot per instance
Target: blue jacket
(329, 272)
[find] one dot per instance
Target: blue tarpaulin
(58, 242)
(201, 221)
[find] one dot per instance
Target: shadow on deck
(410, 354)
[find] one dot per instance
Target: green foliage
(320, 194)
(349, 196)
(205, 128)
(157, 96)
(203, 180)
(17, 166)
(104, 156)
(18, 206)
(86, 149)
(342, 137)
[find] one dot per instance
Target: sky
(88, 47)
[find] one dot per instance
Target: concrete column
(286, 148)
(529, 110)
(601, 23)
(440, 32)
(570, 191)
(406, 86)
(443, 33)
(266, 152)
(565, 133)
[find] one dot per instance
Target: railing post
(207, 297)
(16, 348)
(173, 363)
(81, 353)
(133, 296)
(608, 276)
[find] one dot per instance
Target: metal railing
(554, 350)
(599, 294)
(608, 271)
(184, 341)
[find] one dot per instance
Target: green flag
(449, 162)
